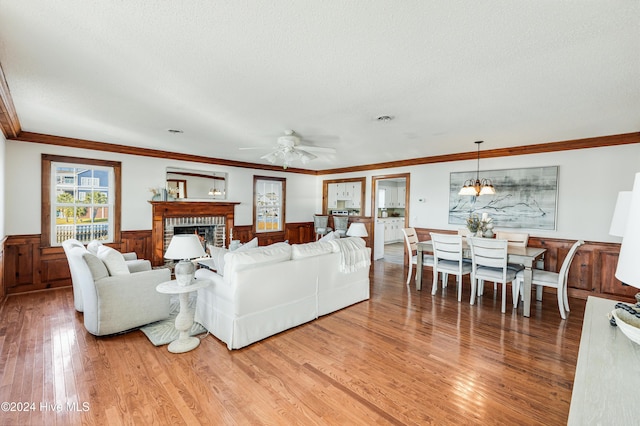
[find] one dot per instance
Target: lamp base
(184, 271)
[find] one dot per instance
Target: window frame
(282, 205)
(47, 187)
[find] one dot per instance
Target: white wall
(589, 182)
(139, 174)
(3, 179)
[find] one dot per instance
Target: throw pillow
(217, 255)
(251, 244)
(302, 251)
(239, 261)
(330, 236)
(93, 246)
(113, 260)
(96, 266)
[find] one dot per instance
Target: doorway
(390, 212)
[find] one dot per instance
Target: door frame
(374, 196)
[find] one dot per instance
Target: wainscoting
(27, 267)
(592, 271)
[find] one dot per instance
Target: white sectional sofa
(266, 290)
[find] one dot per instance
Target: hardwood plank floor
(402, 357)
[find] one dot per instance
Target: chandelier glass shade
(477, 187)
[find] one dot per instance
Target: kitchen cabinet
(391, 196)
(349, 192)
(393, 230)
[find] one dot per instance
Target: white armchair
(117, 301)
(133, 264)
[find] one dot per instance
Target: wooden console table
(605, 388)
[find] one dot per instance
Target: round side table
(184, 320)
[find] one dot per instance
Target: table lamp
(357, 229)
(620, 214)
(627, 270)
(184, 247)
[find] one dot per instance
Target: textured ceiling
(236, 74)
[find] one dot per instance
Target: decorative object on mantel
(480, 227)
(628, 317)
(184, 247)
(477, 187)
(162, 194)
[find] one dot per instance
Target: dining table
(525, 256)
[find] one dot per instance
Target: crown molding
(594, 142)
(8, 117)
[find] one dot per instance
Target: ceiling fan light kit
(289, 150)
(477, 187)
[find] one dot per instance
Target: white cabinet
(353, 195)
(393, 195)
(402, 192)
(393, 230)
(332, 197)
(349, 192)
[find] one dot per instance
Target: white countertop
(605, 388)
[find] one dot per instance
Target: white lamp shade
(184, 246)
(628, 271)
(357, 229)
(620, 214)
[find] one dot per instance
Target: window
(268, 206)
(80, 199)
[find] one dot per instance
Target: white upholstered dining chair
(321, 225)
(557, 280)
(447, 255)
(489, 263)
(411, 242)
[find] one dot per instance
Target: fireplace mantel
(162, 210)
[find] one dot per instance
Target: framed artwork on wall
(525, 198)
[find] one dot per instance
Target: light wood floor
(402, 357)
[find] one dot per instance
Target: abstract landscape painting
(524, 198)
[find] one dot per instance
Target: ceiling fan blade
(255, 147)
(317, 149)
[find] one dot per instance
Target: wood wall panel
(592, 270)
(3, 292)
(138, 242)
(25, 266)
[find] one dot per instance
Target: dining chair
(489, 262)
(464, 232)
(448, 259)
(321, 225)
(340, 225)
(557, 280)
(515, 239)
(411, 242)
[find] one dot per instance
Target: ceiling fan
(289, 149)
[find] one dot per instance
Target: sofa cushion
(248, 246)
(93, 246)
(241, 260)
(217, 255)
(113, 260)
(96, 266)
(330, 236)
(302, 251)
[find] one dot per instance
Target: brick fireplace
(211, 220)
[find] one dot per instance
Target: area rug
(164, 331)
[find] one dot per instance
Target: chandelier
(477, 187)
